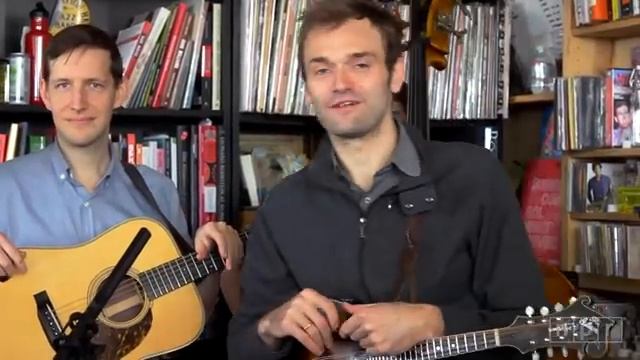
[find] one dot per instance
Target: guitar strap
(141, 185)
(408, 288)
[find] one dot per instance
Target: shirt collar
(62, 168)
(405, 156)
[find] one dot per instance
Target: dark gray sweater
(474, 259)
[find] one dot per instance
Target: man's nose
(342, 80)
(78, 99)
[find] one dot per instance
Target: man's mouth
(344, 104)
(81, 119)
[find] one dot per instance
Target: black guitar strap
(141, 185)
(408, 289)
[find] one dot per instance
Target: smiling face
(81, 94)
(347, 80)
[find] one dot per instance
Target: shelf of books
(602, 219)
(600, 146)
(608, 19)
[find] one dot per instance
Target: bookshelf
(590, 50)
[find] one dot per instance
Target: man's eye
(62, 86)
(96, 85)
(322, 71)
(362, 65)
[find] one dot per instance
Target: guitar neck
(177, 273)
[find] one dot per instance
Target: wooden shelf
(265, 122)
(545, 97)
(608, 283)
(605, 153)
(620, 29)
(141, 114)
(614, 217)
(456, 123)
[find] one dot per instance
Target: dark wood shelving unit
(252, 122)
(161, 116)
(456, 123)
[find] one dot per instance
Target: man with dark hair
(408, 238)
(622, 123)
(599, 186)
(76, 188)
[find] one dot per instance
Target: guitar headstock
(440, 25)
(578, 326)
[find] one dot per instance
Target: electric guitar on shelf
(439, 26)
(432, 23)
(577, 327)
(157, 308)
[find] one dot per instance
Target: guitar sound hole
(126, 303)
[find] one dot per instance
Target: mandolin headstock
(579, 327)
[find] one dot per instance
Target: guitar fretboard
(447, 346)
(177, 273)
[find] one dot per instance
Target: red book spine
(207, 184)
(3, 147)
(167, 62)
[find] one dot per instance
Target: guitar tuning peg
(529, 311)
(580, 355)
(558, 307)
(572, 300)
(565, 352)
(549, 352)
(535, 356)
(544, 311)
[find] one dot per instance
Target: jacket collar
(415, 193)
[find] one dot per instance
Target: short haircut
(334, 13)
(83, 37)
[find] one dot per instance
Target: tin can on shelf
(19, 78)
(4, 81)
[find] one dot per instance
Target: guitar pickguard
(120, 342)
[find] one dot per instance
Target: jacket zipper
(363, 236)
(363, 225)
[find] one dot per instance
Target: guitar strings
(154, 274)
(129, 287)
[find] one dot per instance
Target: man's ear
(44, 93)
(397, 75)
(122, 92)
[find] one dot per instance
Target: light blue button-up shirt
(41, 205)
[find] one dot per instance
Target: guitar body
(131, 326)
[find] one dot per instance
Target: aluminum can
(19, 68)
(4, 81)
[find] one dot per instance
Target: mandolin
(579, 327)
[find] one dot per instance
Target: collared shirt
(404, 159)
(43, 206)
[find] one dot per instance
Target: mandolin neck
(431, 349)
(452, 345)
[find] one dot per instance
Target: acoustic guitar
(157, 308)
(579, 327)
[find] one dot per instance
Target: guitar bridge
(47, 316)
